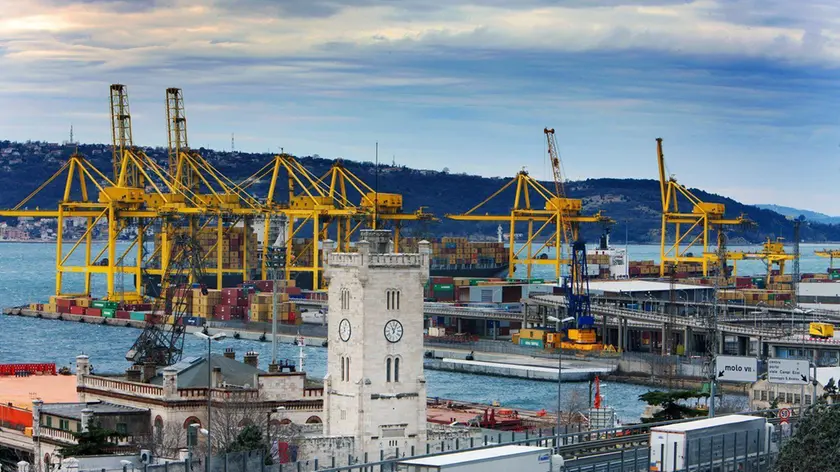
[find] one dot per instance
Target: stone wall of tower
(375, 390)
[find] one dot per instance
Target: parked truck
(724, 443)
(493, 459)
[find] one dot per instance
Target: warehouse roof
(475, 456)
(192, 372)
(636, 286)
(74, 410)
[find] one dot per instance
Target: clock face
(344, 330)
(393, 331)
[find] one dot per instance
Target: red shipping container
(77, 310)
(93, 311)
(242, 301)
(122, 315)
(222, 317)
(231, 292)
(296, 291)
(64, 303)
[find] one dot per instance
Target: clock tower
(374, 390)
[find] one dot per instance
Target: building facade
(374, 390)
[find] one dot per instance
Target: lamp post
(560, 324)
(191, 440)
(210, 339)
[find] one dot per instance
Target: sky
(744, 93)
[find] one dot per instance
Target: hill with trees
(633, 204)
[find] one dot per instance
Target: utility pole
(710, 321)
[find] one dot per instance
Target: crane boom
(162, 340)
(556, 167)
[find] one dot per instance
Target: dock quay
(531, 372)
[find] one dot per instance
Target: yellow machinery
(558, 217)
(375, 208)
(772, 254)
(318, 202)
(702, 218)
(831, 254)
(821, 330)
(140, 194)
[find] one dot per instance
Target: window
(341, 360)
(388, 369)
(345, 299)
(764, 395)
(49, 421)
(64, 425)
(796, 399)
(807, 399)
(397, 369)
(756, 394)
(392, 299)
(348, 370)
(122, 428)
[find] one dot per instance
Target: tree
(672, 409)
(573, 404)
(250, 438)
(165, 441)
(815, 446)
(93, 442)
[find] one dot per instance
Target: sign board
(787, 371)
(784, 415)
(736, 369)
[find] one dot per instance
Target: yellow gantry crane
(690, 230)
(140, 195)
(557, 218)
(772, 254)
(831, 254)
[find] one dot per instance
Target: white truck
(492, 459)
(724, 443)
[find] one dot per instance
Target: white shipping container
(495, 459)
(680, 446)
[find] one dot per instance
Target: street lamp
(268, 423)
(560, 324)
(210, 339)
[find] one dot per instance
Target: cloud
(728, 84)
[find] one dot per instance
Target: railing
(313, 392)
(310, 405)
(235, 395)
(92, 381)
(59, 434)
(190, 393)
(345, 259)
(395, 259)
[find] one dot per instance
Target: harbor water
(27, 274)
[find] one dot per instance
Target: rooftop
(74, 410)
(192, 372)
(706, 423)
(635, 286)
(475, 456)
(20, 391)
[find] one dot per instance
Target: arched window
(158, 427)
(397, 369)
(388, 369)
(341, 360)
(313, 420)
(192, 433)
(348, 370)
(285, 421)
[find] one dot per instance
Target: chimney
(87, 416)
(217, 377)
(149, 371)
(82, 369)
(170, 382)
(230, 353)
(134, 374)
(252, 358)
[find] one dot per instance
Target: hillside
(633, 204)
(812, 216)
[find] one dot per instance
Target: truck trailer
(492, 459)
(724, 443)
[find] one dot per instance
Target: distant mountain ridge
(634, 204)
(795, 212)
